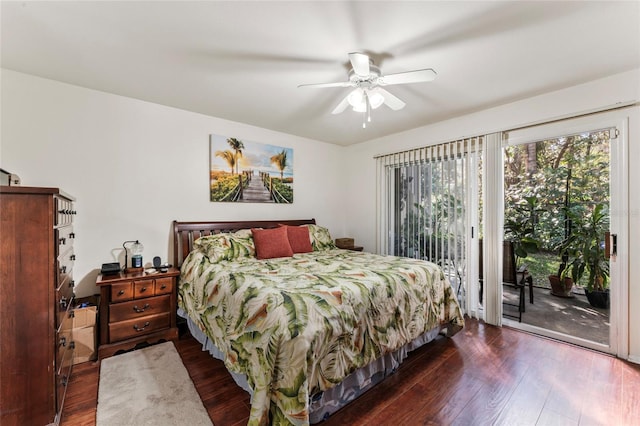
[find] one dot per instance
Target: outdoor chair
(512, 277)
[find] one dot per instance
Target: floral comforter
(296, 326)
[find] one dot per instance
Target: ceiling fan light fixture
(375, 99)
(357, 99)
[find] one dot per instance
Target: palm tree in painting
(237, 147)
(228, 156)
(280, 160)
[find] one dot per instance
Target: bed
(309, 332)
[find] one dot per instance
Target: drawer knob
(136, 328)
(72, 235)
(139, 310)
(63, 341)
(121, 292)
(63, 269)
(143, 289)
(62, 241)
(63, 302)
(73, 257)
(72, 283)
(163, 286)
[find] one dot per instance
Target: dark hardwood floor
(484, 375)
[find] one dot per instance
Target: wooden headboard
(185, 233)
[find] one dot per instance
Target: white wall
(135, 166)
(618, 89)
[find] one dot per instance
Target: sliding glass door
(428, 210)
(561, 185)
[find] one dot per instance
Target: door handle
(610, 245)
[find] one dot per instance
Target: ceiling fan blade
(322, 85)
(344, 103)
(416, 76)
(360, 63)
(390, 100)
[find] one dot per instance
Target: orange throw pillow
(271, 243)
(299, 239)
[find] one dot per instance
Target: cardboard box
(84, 317)
(84, 334)
(344, 243)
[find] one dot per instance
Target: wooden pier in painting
(255, 192)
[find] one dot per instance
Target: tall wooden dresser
(36, 296)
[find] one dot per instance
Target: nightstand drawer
(164, 286)
(139, 326)
(122, 292)
(142, 288)
(139, 308)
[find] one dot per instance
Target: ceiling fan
(367, 80)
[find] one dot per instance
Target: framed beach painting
(243, 171)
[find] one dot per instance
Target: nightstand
(135, 308)
(347, 244)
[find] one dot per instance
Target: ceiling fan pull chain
(367, 110)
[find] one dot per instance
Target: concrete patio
(573, 316)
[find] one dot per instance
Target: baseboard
(634, 359)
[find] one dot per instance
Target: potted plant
(561, 283)
(520, 229)
(586, 247)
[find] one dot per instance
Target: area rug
(148, 386)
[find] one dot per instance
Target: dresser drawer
(64, 301)
(65, 322)
(64, 354)
(62, 378)
(65, 266)
(64, 239)
(139, 326)
(65, 289)
(65, 211)
(139, 308)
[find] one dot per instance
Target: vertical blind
(425, 197)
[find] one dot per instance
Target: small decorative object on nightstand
(347, 244)
(135, 308)
(136, 258)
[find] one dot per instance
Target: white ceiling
(243, 61)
